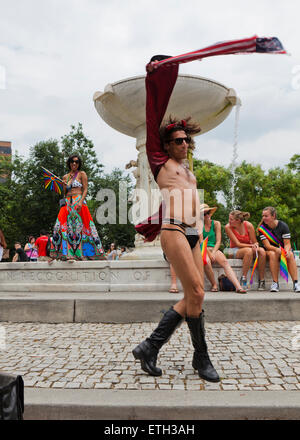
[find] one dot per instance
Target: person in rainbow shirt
(276, 239)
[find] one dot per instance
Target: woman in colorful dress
(75, 236)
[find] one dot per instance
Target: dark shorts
(191, 234)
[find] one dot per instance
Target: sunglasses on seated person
(75, 161)
(179, 140)
(207, 212)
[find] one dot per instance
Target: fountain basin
(122, 104)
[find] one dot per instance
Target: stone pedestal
(104, 276)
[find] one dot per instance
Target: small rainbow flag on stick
(203, 247)
(52, 182)
(283, 265)
(254, 267)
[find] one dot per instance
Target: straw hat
(204, 208)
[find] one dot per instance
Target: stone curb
(47, 404)
(128, 307)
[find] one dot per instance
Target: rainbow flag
(283, 265)
(203, 247)
(52, 182)
(268, 234)
(253, 269)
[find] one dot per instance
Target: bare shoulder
(249, 225)
(228, 229)
(217, 224)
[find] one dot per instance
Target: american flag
(246, 45)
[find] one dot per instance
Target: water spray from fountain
(233, 164)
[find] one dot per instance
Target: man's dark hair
(173, 124)
(43, 232)
(71, 158)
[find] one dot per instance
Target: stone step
(74, 404)
(127, 307)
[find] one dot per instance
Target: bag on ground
(11, 397)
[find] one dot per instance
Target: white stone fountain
(122, 106)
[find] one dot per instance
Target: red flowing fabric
(159, 87)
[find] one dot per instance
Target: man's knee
(197, 292)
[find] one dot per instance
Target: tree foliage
(254, 190)
(26, 207)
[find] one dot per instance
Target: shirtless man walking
(167, 147)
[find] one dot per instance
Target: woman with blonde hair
(212, 230)
(244, 245)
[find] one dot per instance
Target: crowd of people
(245, 243)
(39, 249)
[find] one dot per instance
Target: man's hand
(151, 66)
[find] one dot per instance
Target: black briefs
(191, 234)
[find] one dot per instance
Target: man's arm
(159, 87)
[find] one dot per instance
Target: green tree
(26, 207)
(254, 190)
(215, 180)
(294, 163)
(120, 233)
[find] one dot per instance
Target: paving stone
(247, 356)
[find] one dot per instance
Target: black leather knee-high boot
(147, 350)
(201, 361)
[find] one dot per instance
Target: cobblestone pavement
(247, 355)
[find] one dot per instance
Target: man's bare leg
(191, 274)
(173, 287)
(179, 254)
(201, 361)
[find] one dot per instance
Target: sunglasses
(75, 161)
(207, 212)
(179, 141)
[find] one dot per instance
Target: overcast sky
(54, 54)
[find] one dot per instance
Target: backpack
(225, 284)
